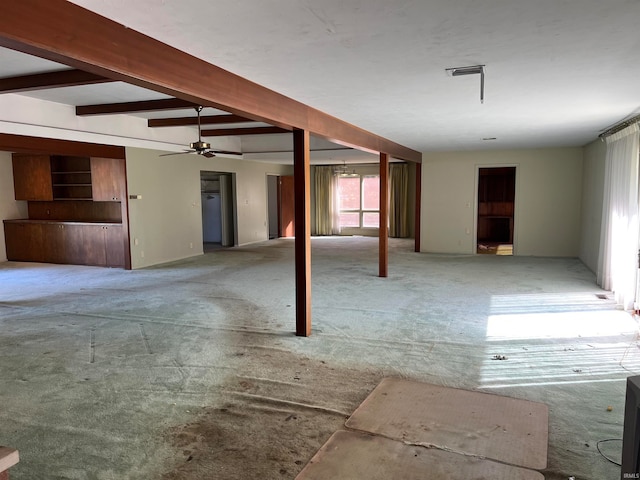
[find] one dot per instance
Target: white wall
(167, 221)
(9, 207)
(592, 193)
(547, 204)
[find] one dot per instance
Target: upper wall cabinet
(56, 177)
(107, 178)
(32, 177)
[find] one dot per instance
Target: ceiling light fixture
(471, 70)
(343, 171)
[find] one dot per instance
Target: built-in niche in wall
(496, 201)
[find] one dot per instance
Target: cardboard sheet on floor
(362, 456)
(505, 429)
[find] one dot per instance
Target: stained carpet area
(191, 370)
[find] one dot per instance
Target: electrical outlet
(135, 241)
(142, 253)
(190, 245)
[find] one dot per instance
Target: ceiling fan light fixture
(199, 146)
(343, 171)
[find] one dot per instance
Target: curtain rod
(620, 126)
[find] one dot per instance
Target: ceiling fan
(200, 147)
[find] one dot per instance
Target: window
(359, 201)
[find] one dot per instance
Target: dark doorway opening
(218, 210)
(496, 202)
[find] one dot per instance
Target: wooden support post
(301, 173)
(383, 231)
(418, 204)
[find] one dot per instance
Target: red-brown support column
(302, 187)
(416, 224)
(384, 215)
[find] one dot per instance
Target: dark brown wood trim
(204, 120)
(222, 132)
(416, 226)
(337, 149)
(134, 107)
(40, 81)
(383, 231)
(27, 144)
(126, 227)
(63, 32)
(302, 187)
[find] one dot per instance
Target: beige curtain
(327, 198)
(399, 200)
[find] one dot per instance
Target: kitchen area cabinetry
(107, 175)
(75, 243)
(32, 177)
(76, 210)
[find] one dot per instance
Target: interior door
(286, 206)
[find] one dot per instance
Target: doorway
(280, 206)
(218, 210)
(496, 202)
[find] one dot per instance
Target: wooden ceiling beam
(223, 132)
(134, 107)
(63, 32)
(204, 120)
(41, 81)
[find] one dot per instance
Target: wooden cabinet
(103, 245)
(24, 241)
(32, 177)
(65, 242)
(496, 197)
(107, 178)
(58, 177)
(114, 246)
(70, 199)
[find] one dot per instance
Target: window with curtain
(359, 201)
(326, 195)
(617, 261)
(399, 200)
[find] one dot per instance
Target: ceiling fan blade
(226, 152)
(176, 153)
(208, 154)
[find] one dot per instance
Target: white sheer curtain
(618, 258)
(327, 202)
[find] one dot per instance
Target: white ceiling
(558, 72)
